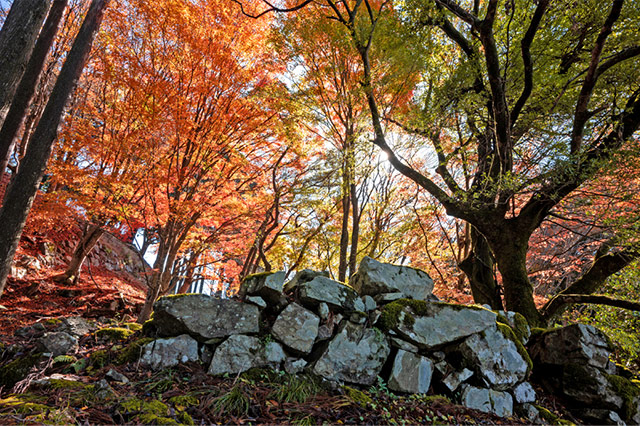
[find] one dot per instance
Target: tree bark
(17, 39)
(478, 267)
(20, 197)
(88, 241)
(344, 232)
(355, 230)
(27, 87)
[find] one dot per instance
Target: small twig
(91, 275)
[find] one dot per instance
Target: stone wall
(390, 325)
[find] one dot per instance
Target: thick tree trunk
(511, 256)
(17, 39)
(20, 196)
(27, 87)
(355, 231)
(88, 241)
(478, 267)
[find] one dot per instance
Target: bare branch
(271, 8)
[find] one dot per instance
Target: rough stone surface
(356, 355)
(584, 384)
(76, 326)
(374, 277)
(165, 353)
(599, 417)
(453, 380)
(410, 373)
(369, 303)
(443, 324)
(494, 358)
(297, 328)
(529, 412)
(573, 344)
(256, 300)
(524, 393)
(323, 310)
(384, 298)
(204, 317)
(335, 294)
(302, 277)
(59, 343)
(406, 346)
(294, 365)
(487, 400)
(265, 285)
(513, 322)
(117, 376)
(240, 353)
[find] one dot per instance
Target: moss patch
(579, 377)
(357, 396)
(114, 334)
(507, 331)
(132, 326)
(65, 384)
(16, 370)
(132, 351)
(628, 391)
(23, 404)
(99, 358)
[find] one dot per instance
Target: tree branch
(272, 8)
(525, 44)
(581, 115)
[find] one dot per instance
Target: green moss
(114, 333)
(176, 296)
(16, 370)
(257, 275)
(132, 351)
(182, 402)
(265, 375)
(65, 384)
(507, 331)
(357, 396)
(21, 404)
(99, 358)
(152, 419)
(547, 415)
(132, 326)
(185, 418)
(53, 321)
(628, 391)
(393, 312)
(149, 328)
(64, 359)
(136, 405)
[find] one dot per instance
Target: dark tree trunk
(344, 234)
(355, 231)
(20, 197)
(478, 267)
(27, 87)
(511, 257)
(88, 241)
(17, 39)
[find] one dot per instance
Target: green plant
(235, 402)
(295, 389)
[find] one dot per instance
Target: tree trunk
(23, 191)
(355, 231)
(88, 241)
(17, 39)
(27, 87)
(344, 235)
(511, 256)
(478, 267)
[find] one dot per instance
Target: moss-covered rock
(22, 405)
(132, 352)
(357, 396)
(99, 358)
(629, 393)
(16, 370)
(132, 326)
(147, 412)
(509, 333)
(114, 334)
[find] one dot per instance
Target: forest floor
(104, 384)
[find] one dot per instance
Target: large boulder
(495, 358)
(374, 278)
(204, 317)
(302, 277)
(165, 353)
(59, 343)
(266, 285)
(585, 385)
(297, 328)
(573, 344)
(410, 373)
(335, 294)
(487, 400)
(356, 355)
(430, 325)
(76, 326)
(240, 353)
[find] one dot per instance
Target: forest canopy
(492, 143)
